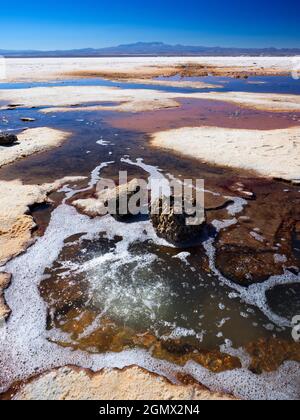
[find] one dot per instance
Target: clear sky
(66, 24)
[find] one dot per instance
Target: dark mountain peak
(142, 44)
(156, 48)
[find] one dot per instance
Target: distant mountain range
(155, 49)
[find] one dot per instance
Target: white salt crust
(25, 349)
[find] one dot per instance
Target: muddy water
(120, 288)
(195, 112)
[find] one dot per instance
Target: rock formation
(7, 139)
(171, 223)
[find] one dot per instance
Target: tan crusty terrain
(270, 153)
(16, 223)
(132, 383)
(32, 141)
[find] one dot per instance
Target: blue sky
(69, 24)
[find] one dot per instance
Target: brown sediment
(142, 73)
(41, 214)
(267, 355)
(182, 70)
(111, 337)
(180, 353)
(195, 69)
(4, 284)
(66, 300)
(260, 244)
(130, 383)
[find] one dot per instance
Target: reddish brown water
(199, 112)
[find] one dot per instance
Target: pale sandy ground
(4, 283)
(61, 99)
(132, 383)
(270, 153)
(34, 69)
(65, 96)
(32, 141)
(16, 224)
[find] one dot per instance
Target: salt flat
(64, 98)
(37, 69)
(32, 141)
(270, 153)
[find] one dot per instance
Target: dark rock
(246, 266)
(7, 139)
(13, 106)
(172, 226)
(25, 119)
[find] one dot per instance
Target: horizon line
(137, 43)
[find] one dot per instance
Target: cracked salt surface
(25, 349)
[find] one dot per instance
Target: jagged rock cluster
(168, 215)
